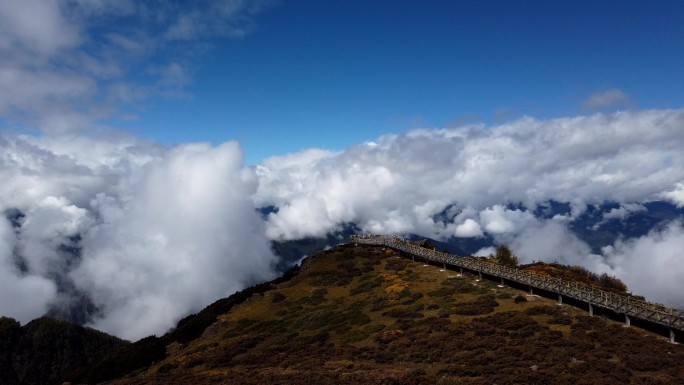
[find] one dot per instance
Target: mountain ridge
(360, 301)
(359, 314)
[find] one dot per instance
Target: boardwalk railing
(621, 304)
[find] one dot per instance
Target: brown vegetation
(578, 274)
(362, 315)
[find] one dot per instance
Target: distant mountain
(593, 228)
(291, 252)
(598, 226)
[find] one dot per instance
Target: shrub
(611, 283)
(402, 313)
(366, 286)
(519, 299)
(379, 303)
(388, 336)
(504, 256)
(278, 297)
(560, 319)
(325, 278)
(483, 305)
(395, 264)
(541, 310)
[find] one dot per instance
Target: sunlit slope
(365, 315)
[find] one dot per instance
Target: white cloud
(164, 232)
(624, 211)
(441, 183)
(499, 220)
(485, 251)
(608, 98)
(469, 228)
(24, 295)
(66, 65)
(186, 235)
(550, 241)
(621, 213)
(402, 181)
(651, 265)
(675, 195)
(46, 226)
(36, 25)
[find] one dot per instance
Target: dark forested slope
(48, 351)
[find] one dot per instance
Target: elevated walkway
(628, 306)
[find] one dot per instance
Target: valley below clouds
(146, 234)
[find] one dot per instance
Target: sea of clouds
(162, 232)
(147, 234)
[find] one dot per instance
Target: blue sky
(291, 75)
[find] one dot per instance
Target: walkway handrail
(623, 304)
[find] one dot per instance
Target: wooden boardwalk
(629, 306)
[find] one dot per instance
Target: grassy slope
(364, 315)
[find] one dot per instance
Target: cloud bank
(151, 233)
(158, 233)
(400, 182)
(465, 181)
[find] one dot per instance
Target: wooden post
(672, 336)
(460, 269)
(628, 321)
(502, 281)
(560, 299)
(480, 274)
(591, 311)
(531, 292)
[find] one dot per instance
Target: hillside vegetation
(45, 351)
(364, 315)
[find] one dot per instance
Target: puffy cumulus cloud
(24, 295)
(550, 241)
(75, 168)
(46, 227)
(498, 220)
(469, 228)
(403, 183)
(186, 235)
(651, 265)
(485, 251)
(67, 64)
(149, 234)
(675, 195)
